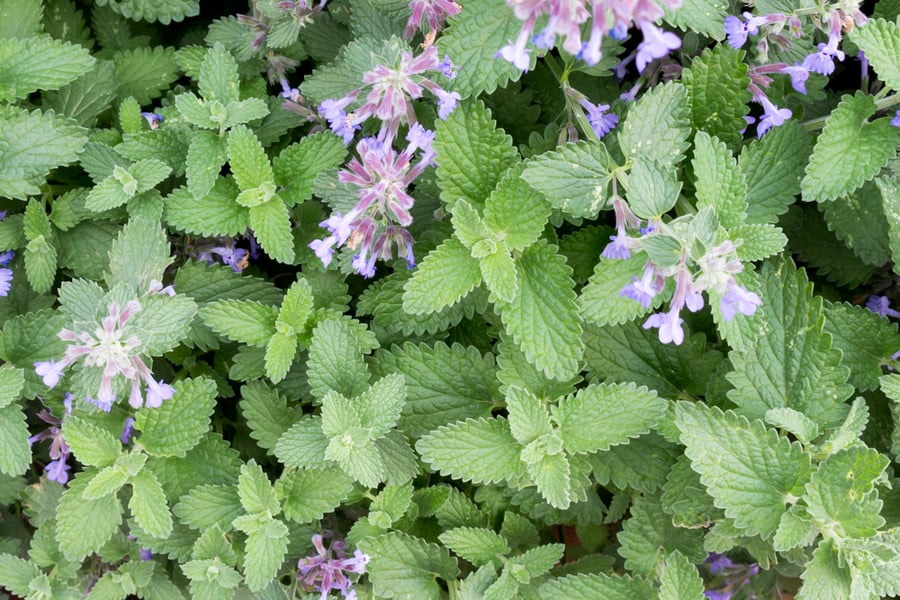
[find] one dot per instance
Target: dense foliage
(388, 299)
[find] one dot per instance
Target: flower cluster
(57, 469)
(322, 573)
(391, 92)
(117, 353)
(713, 270)
(223, 250)
(565, 19)
(435, 13)
(379, 219)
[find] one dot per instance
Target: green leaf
(40, 264)
(39, 63)
(826, 575)
(139, 255)
(356, 453)
(267, 413)
(249, 163)
(16, 574)
(473, 38)
(600, 301)
(208, 506)
(12, 380)
(15, 451)
(720, 183)
(219, 75)
(773, 167)
(472, 154)
(379, 406)
(658, 125)
(280, 353)
(653, 188)
(255, 490)
(335, 80)
(212, 462)
(477, 545)
(685, 498)
(180, 422)
(477, 450)
(590, 586)
(145, 72)
(336, 360)
(108, 481)
(109, 193)
(310, 494)
(83, 526)
(543, 318)
(573, 178)
(701, 16)
(643, 463)
(468, 225)
(551, 473)
(406, 566)
(717, 83)
(216, 213)
(793, 364)
(865, 339)
(148, 505)
(859, 221)
(391, 504)
(680, 579)
(303, 445)
(443, 384)
(205, 158)
(880, 40)
(271, 223)
(265, 552)
(298, 165)
(92, 445)
(604, 415)
(794, 422)
(244, 321)
(649, 535)
(529, 418)
(195, 111)
(849, 151)
(33, 144)
(499, 272)
(840, 494)
(757, 241)
(86, 98)
(164, 11)
(749, 470)
(447, 274)
(515, 212)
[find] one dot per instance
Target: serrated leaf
(266, 548)
(139, 255)
(109, 480)
(214, 214)
(573, 178)
(498, 270)
(356, 453)
(528, 417)
(379, 406)
(33, 144)
(205, 158)
(16, 573)
(406, 566)
(15, 451)
(336, 360)
(749, 470)
(208, 506)
(720, 184)
(83, 526)
(86, 98)
(39, 63)
(249, 163)
(590, 586)
(793, 364)
(298, 165)
(773, 167)
(391, 504)
(477, 545)
(680, 579)
(649, 536)
(552, 475)
(757, 241)
(865, 339)
(244, 321)
(825, 576)
(40, 264)
(91, 445)
(255, 490)
(477, 450)
(195, 111)
(280, 352)
(473, 38)
(148, 505)
(212, 462)
(163, 322)
(535, 562)
(658, 125)
(685, 498)
(468, 225)
(653, 188)
(516, 212)
(543, 318)
(338, 78)
(604, 415)
(180, 422)
(271, 224)
(309, 494)
(880, 40)
(858, 220)
(219, 75)
(472, 154)
(267, 413)
(717, 83)
(840, 494)
(701, 16)
(164, 11)
(108, 193)
(303, 445)
(600, 301)
(642, 464)
(796, 423)
(145, 72)
(447, 274)
(849, 151)
(12, 380)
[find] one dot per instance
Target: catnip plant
(434, 299)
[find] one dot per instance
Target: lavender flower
(625, 219)
(772, 117)
(737, 30)
(224, 250)
(669, 325)
(601, 121)
(656, 44)
(127, 430)
(57, 469)
(738, 299)
(114, 351)
(646, 288)
(322, 573)
(153, 119)
(435, 12)
(895, 122)
(881, 305)
(728, 577)
(799, 74)
(6, 275)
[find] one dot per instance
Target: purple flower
(146, 553)
(435, 12)
(324, 573)
(601, 121)
(737, 30)
(516, 53)
(646, 288)
(799, 74)
(153, 119)
(333, 111)
(823, 60)
(896, 120)
(127, 430)
(656, 44)
(738, 299)
(50, 371)
(881, 305)
(447, 101)
(617, 249)
(669, 325)
(104, 406)
(56, 469)
(772, 117)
